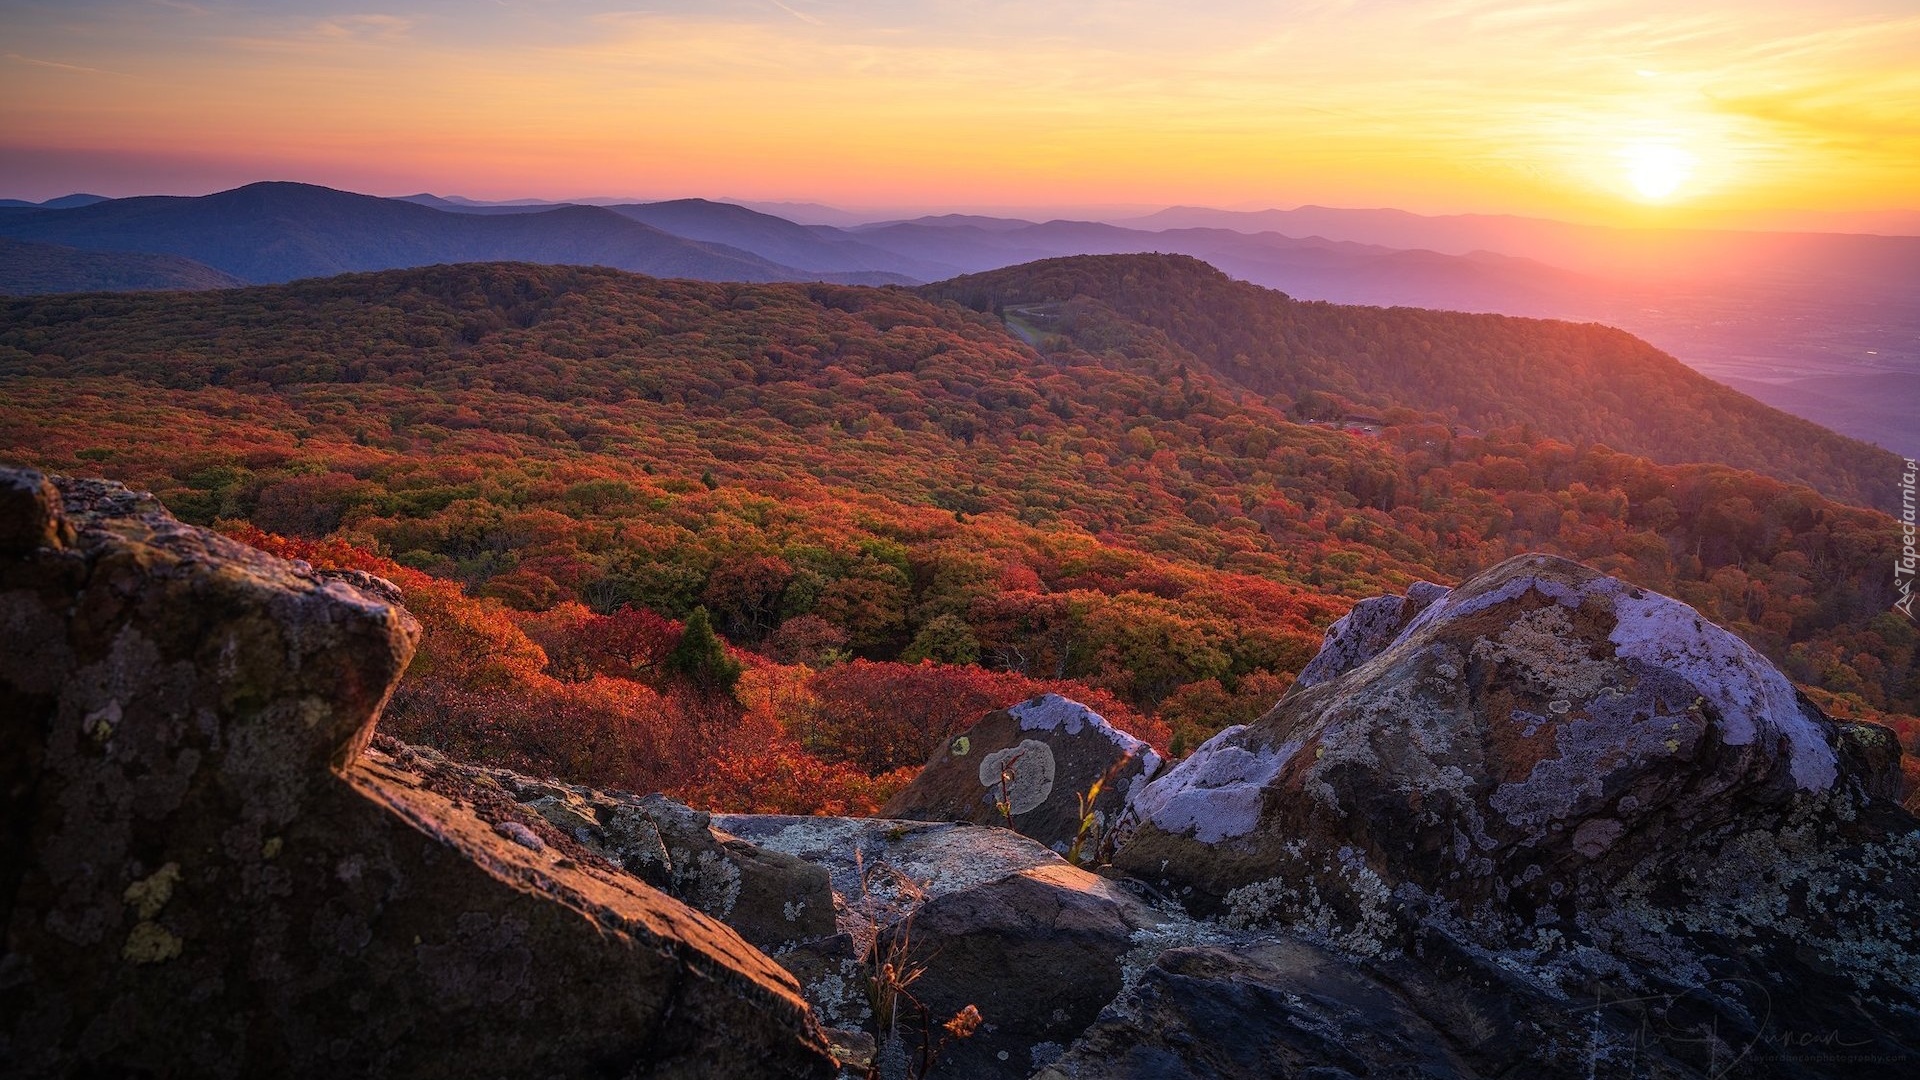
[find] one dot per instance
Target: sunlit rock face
(1551, 764)
(208, 871)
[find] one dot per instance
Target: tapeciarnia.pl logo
(1904, 564)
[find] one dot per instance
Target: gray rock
(1551, 769)
(772, 898)
(1362, 633)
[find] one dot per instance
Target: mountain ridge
(277, 231)
(1597, 249)
(773, 237)
(1478, 370)
(1817, 324)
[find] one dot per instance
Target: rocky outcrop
(209, 873)
(780, 903)
(997, 921)
(1544, 824)
(1030, 765)
(1550, 774)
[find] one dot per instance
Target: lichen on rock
(1020, 776)
(1554, 778)
(1215, 793)
(1052, 751)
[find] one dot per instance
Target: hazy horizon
(1891, 222)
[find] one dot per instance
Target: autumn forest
(765, 546)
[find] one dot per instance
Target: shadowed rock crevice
(207, 876)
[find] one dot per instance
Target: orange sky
(1565, 108)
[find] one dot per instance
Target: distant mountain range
(1821, 324)
(799, 247)
(64, 202)
(938, 247)
(1649, 255)
(820, 248)
(273, 232)
(1339, 271)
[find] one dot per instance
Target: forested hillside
(892, 510)
(1582, 383)
(28, 269)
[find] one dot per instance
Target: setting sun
(1657, 171)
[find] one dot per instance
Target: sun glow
(1657, 170)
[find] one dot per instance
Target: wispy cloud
(801, 15)
(1835, 117)
(337, 37)
(385, 27)
(58, 66)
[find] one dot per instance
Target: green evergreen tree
(701, 657)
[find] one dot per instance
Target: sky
(1609, 111)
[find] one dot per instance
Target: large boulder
(208, 873)
(1030, 766)
(1590, 780)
